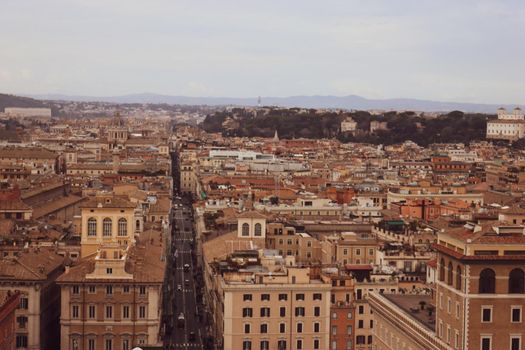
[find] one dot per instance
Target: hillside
(18, 101)
(350, 102)
(296, 123)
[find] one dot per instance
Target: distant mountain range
(346, 102)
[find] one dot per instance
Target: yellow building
(106, 219)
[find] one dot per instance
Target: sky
(468, 51)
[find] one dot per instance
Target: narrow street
(185, 319)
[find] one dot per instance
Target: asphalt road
(184, 334)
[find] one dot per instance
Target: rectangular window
(515, 314)
(265, 297)
(125, 289)
(265, 345)
(299, 344)
(486, 314)
(264, 328)
(349, 330)
(142, 290)
(75, 311)
(125, 311)
(283, 297)
(299, 311)
(247, 312)
(299, 296)
(486, 343)
(334, 330)
(265, 312)
(316, 344)
(299, 328)
(91, 311)
(317, 311)
(360, 324)
(24, 303)
(282, 327)
(317, 296)
(247, 328)
(515, 343)
(317, 327)
(91, 344)
(76, 290)
(247, 297)
(109, 290)
(125, 344)
(282, 311)
(92, 289)
(21, 341)
(109, 311)
(109, 344)
(361, 309)
(142, 311)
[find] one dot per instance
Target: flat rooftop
(410, 303)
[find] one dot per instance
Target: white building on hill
(508, 126)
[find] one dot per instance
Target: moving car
(180, 320)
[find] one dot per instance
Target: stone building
(33, 273)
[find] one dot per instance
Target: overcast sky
(469, 50)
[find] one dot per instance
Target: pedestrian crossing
(189, 345)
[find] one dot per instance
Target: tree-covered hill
(295, 123)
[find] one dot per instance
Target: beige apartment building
(355, 249)
(288, 242)
(188, 178)
(281, 310)
(260, 299)
(114, 300)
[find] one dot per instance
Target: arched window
(487, 281)
(459, 278)
(449, 274)
(517, 281)
(137, 225)
(245, 229)
(92, 227)
(258, 230)
(442, 270)
(122, 227)
(107, 227)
